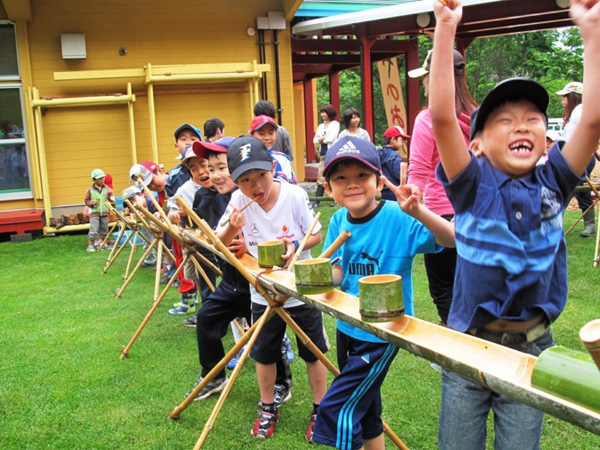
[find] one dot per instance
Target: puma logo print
(365, 255)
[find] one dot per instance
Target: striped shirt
(509, 237)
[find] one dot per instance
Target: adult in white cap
(572, 96)
(423, 160)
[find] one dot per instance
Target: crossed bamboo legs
(249, 338)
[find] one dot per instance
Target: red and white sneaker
(265, 424)
(311, 425)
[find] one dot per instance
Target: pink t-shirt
(424, 158)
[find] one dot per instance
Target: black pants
(217, 310)
(440, 269)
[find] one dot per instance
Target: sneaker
(190, 322)
(281, 394)
(90, 248)
(214, 386)
(311, 424)
(187, 305)
(289, 351)
(233, 362)
(265, 424)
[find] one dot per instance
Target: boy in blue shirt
(511, 273)
(384, 240)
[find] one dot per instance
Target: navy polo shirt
(511, 248)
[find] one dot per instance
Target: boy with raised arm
(384, 241)
(511, 274)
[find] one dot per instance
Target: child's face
(257, 183)
(396, 143)
(159, 178)
(199, 170)
(354, 186)
(185, 138)
(514, 137)
(99, 181)
(219, 173)
(267, 134)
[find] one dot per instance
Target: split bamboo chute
(496, 367)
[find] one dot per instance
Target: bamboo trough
(496, 367)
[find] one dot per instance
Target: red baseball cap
(201, 148)
(394, 132)
(260, 121)
(108, 180)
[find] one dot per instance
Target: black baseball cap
(509, 90)
(350, 147)
(247, 153)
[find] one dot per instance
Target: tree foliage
(552, 57)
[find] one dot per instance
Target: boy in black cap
(511, 274)
(281, 211)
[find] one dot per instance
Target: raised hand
(449, 11)
(586, 15)
(406, 194)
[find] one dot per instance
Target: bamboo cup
(381, 298)
(270, 254)
(590, 336)
(313, 276)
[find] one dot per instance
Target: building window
(9, 61)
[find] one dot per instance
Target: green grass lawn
(62, 385)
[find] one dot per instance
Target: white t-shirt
(573, 122)
(290, 217)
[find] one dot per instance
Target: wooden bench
(21, 221)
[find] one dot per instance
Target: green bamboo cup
(270, 252)
(568, 374)
(313, 276)
(381, 298)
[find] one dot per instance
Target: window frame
(17, 76)
(21, 195)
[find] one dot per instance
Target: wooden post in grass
(155, 305)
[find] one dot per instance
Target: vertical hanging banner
(393, 99)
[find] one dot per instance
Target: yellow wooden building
(104, 84)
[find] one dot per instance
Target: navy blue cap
(509, 90)
(352, 148)
(187, 126)
(201, 148)
(248, 153)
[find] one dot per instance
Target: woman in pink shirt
(423, 160)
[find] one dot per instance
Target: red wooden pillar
(309, 119)
(413, 105)
(366, 72)
(334, 92)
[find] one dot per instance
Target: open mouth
(521, 147)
